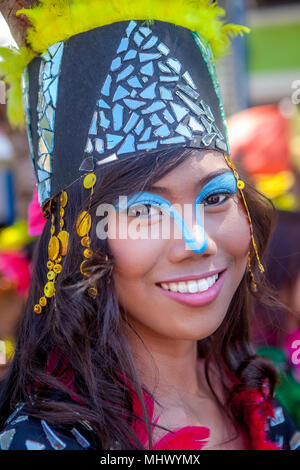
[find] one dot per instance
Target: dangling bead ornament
(241, 185)
(57, 248)
(83, 226)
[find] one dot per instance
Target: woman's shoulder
(24, 432)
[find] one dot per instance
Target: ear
(18, 24)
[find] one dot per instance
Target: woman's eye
(142, 210)
(214, 199)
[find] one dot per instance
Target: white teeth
(191, 287)
(182, 287)
(203, 285)
(173, 287)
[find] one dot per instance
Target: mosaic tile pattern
(153, 103)
(25, 95)
(47, 99)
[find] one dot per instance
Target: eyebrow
(202, 182)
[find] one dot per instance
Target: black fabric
(31, 430)
(85, 65)
(282, 430)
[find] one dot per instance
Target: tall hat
(102, 82)
(105, 81)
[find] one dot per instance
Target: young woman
(136, 330)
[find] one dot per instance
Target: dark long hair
(88, 334)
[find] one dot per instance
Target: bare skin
(166, 355)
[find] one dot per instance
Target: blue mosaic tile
(148, 145)
(173, 140)
(193, 106)
(188, 90)
(99, 145)
(102, 104)
(118, 112)
(162, 131)
(174, 64)
(179, 111)
(187, 77)
(130, 28)
(120, 93)
(169, 78)
(138, 38)
(165, 94)
(131, 122)
(125, 73)
(148, 69)
(146, 135)
(195, 125)
(103, 121)
(155, 106)
(183, 130)
(145, 31)
(144, 57)
(134, 104)
(149, 92)
(134, 82)
(208, 138)
(139, 127)
(123, 45)
(163, 68)
(151, 43)
(106, 87)
(163, 49)
(93, 128)
(155, 121)
(130, 55)
(168, 116)
(128, 146)
(113, 140)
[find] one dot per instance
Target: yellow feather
(58, 20)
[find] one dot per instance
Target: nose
(190, 226)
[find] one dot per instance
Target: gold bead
(262, 269)
(61, 223)
(57, 268)
(49, 289)
(58, 260)
(87, 253)
(63, 237)
(63, 199)
(52, 230)
(61, 212)
(92, 292)
(83, 223)
(43, 301)
(37, 309)
(51, 275)
(240, 184)
(53, 248)
(86, 241)
(89, 180)
(50, 264)
(81, 268)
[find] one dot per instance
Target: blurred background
(260, 84)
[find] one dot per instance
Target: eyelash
(227, 196)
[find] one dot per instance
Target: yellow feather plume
(57, 20)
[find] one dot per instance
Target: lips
(193, 277)
(200, 298)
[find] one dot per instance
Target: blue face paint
(222, 184)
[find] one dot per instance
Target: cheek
(134, 258)
(232, 234)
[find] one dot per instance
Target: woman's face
(143, 265)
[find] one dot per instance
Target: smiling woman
(138, 338)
